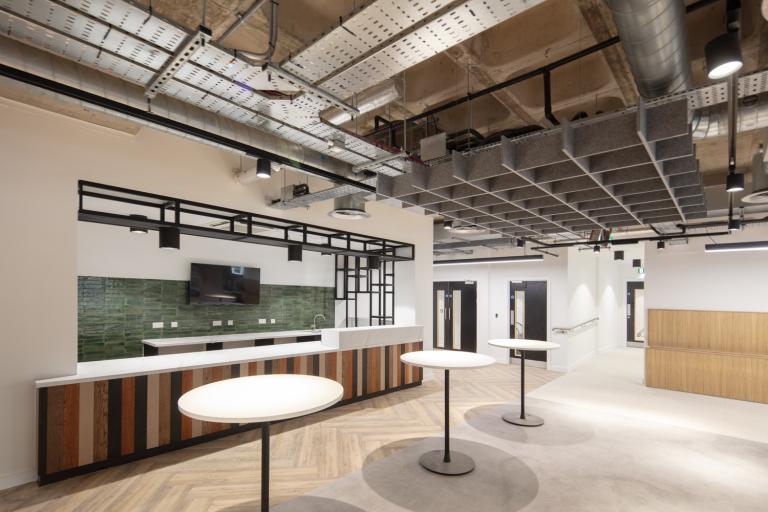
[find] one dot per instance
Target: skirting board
(9, 480)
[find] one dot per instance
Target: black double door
(454, 324)
(528, 314)
(635, 312)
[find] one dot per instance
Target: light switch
(262, 320)
(157, 325)
(174, 324)
(217, 323)
(230, 322)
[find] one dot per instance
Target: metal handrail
(568, 330)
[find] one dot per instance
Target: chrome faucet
(314, 320)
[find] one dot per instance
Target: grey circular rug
(561, 426)
(316, 504)
(499, 481)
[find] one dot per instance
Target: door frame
(630, 319)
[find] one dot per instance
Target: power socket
(217, 323)
(262, 321)
(174, 324)
(158, 325)
(230, 322)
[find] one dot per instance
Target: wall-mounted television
(223, 284)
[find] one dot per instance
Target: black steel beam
(148, 117)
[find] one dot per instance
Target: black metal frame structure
(234, 225)
(354, 280)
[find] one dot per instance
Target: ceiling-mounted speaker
(618, 256)
(295, 252)
(637, 263)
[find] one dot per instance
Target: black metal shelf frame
(230, 224)
(353, 280)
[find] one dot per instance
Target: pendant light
(520, 242)
(138, 230)
(661, 245)
(448, 225)
(596, 250)
(170, 238)
(263, 168)
(723, 56)
(295, 252)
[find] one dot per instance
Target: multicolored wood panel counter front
(95, 423)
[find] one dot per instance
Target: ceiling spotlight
(448, 225)
(734, 182)
(723, 55)
(660, 245)
(349, 207)
(295, 252)
(618, 256)
(734, 225)
(468, 229)
(139, 230)
(596, 249)
(263, 168)
(170, 238)
(520, 242)
(374, 262)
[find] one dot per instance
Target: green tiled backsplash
(115, 314)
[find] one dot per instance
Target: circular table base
(460, 463)
(529, 421)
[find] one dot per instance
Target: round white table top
(260, 398)
(447, 359)
(520, 344)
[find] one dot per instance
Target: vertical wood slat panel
(85, 424)
(347, 374)
(186, 421)
(373, 371)
(164, 427)
(153, 410)
(127, 415)
(100, 420)
(359, 372)
(63, 416)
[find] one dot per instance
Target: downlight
(448, 225)
(170, 238)
(734, 182)
(349, 207)
(138, 230)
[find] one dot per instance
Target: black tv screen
(223, 284)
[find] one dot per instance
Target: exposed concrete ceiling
(600, 82)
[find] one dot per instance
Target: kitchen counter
(227, 338)
(332, 340)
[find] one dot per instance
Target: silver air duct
(52, 67)
(349, 207)
(373, 98)
(654, 39)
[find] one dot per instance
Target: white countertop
(333, 340)
(132, 366)
(447, 359)
(280, 397)
(227, 338)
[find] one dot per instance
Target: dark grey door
(455, 315)
(528, 314)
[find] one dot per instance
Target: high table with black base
(524, 420)
(447, 462)
(260, 399)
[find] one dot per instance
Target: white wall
(685, 277)
(44, 155)
(493, 297)
(582, 304)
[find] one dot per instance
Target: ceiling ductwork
(349, 207)
(654, 38)
(371, 99)
(713, 121)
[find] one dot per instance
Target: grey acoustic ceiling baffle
(628, 169)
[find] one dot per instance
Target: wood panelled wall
(87, 426)
(718, 353)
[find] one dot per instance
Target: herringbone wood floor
(305, 453)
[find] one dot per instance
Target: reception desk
(116, 411)
(718, 353)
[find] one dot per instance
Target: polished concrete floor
(609, 443)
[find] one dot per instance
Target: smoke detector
(349, 207)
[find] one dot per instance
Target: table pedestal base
(529, 421)
(460, 463)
